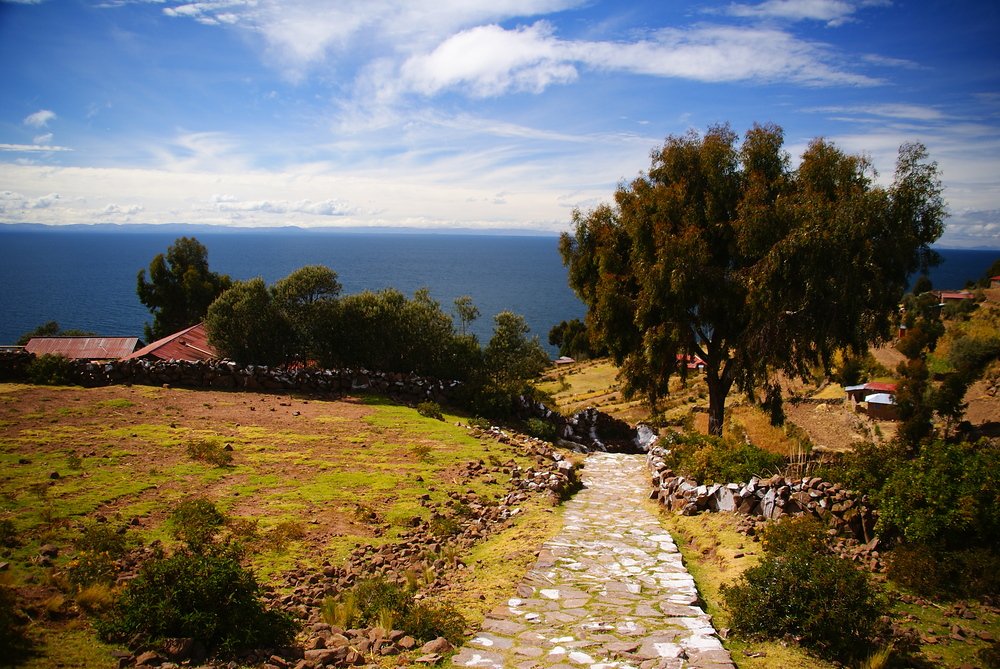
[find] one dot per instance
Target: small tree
(308, 300)
(467, 311)
(180, 287)
(246, 326)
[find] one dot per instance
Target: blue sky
(500, 114)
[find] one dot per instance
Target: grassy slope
(344, 472)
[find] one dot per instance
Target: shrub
(95, 598)
(210, 452)
(948, 496)
(708, 459)
(866, 468)
(340, 611)
(284, 533)
(430, 410)
(542, 429)
(816, 597)
(52, 370)
(427, 621)
(208, 597)
(8, 533)
(196, 521)
(373, 595)
(791, 535)
(444, 527)
(972, 572)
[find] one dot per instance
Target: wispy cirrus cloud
(40, 118)
(32, 148)
(831, 12)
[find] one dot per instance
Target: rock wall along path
(609, 591)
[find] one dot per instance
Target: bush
(208, 597)
(820, 599)
(8, 533)
(210, 452)
(429, 621)
(196, 521)
(373, 595)
(948, 496)
(542, 429)
(707, 459)
(430, 410)
(52, 370)
(969, 573)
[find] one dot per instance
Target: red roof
(190, 344)
(84, 348)
(954, 295)
(881, 387)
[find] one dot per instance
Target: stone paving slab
(608, 592)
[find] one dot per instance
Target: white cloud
(328, 207)
(40, 118)
(15, 202)
(900, 111)
(123, 210)
(43, 139)
(491, 60)
(30, 148)
(832, 12)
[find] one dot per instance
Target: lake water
(86, 280)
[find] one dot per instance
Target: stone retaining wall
(845, 511)
(228, 375)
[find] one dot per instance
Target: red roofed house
(995, 282)
(84, 348)
(953, 295)
(190, 344)
(859, 393)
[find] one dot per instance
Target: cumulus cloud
(491, 60)
(123, 210)
(40, 118)
(330, 207)
(11, 201)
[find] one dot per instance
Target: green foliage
(180, 287)
(430, 409)
(867, 467)
(724, 251)
(991, 271)
(509, 361)
(709, 459)
(99, 547)
(444, 527)
(8, 533)
(573, 340)
(542, 429)
(467, 311)
(796, 590)
(196, 521)
(247, 326)
(790, 535)
(211, 452)
(207, 597)
(379, 602)
(51, 369)
(374, 595)
(307, 300)
(931, 572)
(947, 496)
(426, 621)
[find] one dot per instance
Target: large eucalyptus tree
(725, 251)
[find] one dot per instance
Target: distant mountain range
(193, 229)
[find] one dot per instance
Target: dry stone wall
(228, 375)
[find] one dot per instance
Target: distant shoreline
(202, 228)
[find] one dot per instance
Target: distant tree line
(303, 318)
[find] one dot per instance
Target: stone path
(609, 591)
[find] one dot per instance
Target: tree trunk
(718, 389)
